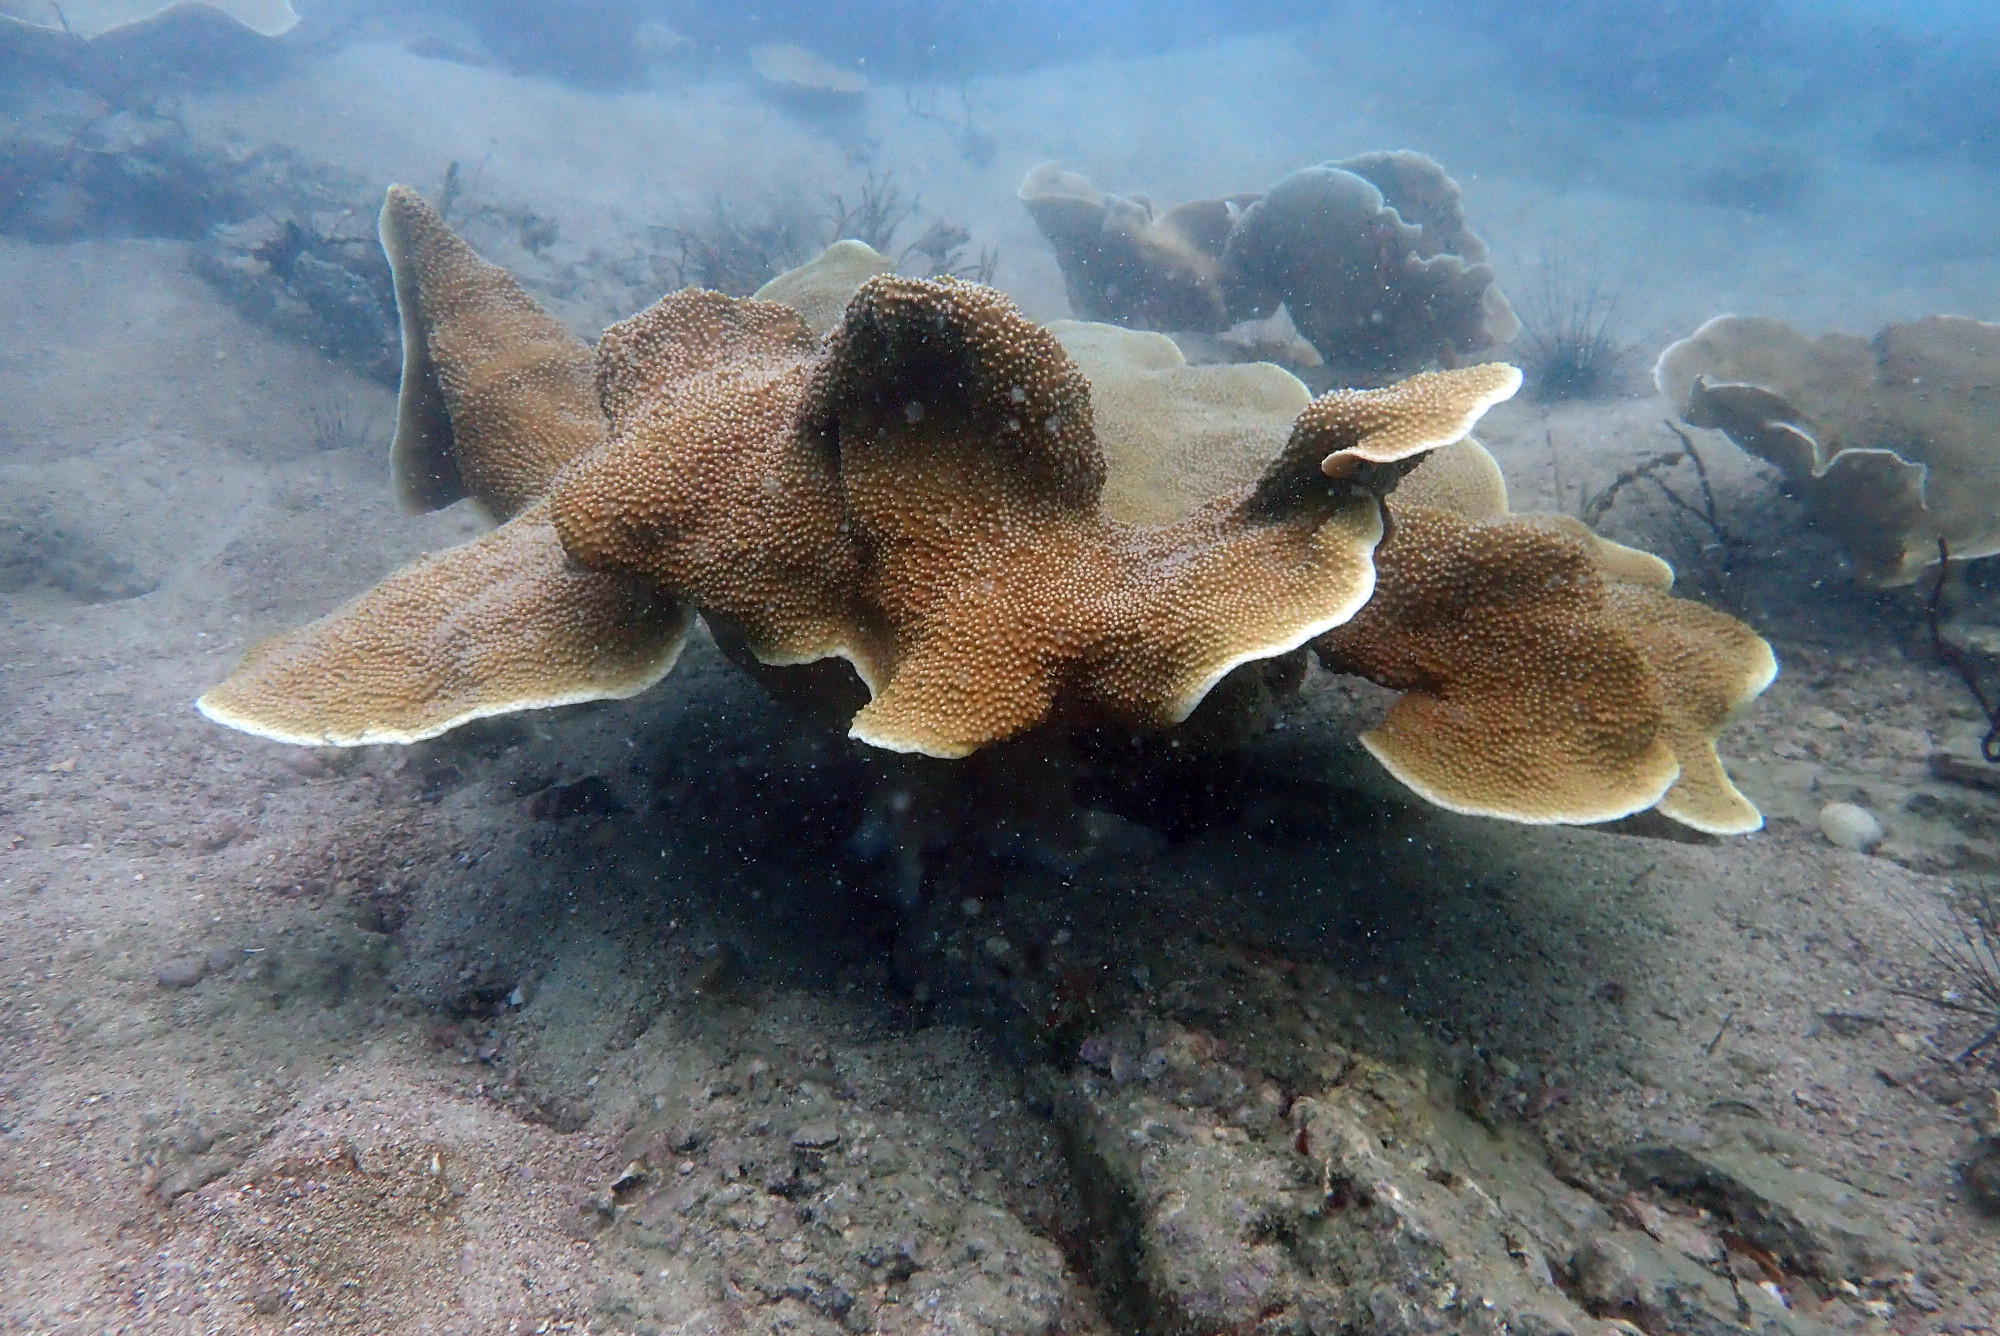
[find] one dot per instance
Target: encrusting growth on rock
(923, 493)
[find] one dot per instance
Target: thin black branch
(1934, 615)
(1697, 520)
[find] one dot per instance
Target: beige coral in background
(820, 288)
(796, 72)
(89, 19)
(1371, 258)
(1894, 442)
(1125, 263)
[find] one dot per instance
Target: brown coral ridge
(497, 395)
(923, 497)
(1371, 257)
(1893, 443)
(496, 398)
(1538, 687)
(503, 623)
(919, 494)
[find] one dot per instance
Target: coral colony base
(933, 493)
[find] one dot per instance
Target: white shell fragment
(1850, 826)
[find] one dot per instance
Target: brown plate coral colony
(1016, 693)
(927, 493)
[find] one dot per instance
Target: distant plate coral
(1892, 442)
(1371, 258)
(90, 19)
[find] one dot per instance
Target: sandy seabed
(368, 1041)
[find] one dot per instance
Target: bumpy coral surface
(1549, 676)
(923, 499)
(1893, 442)
(503, 623)
(923, 494)
(497, 395)
(920, 495)
(1371, 257)
(819, 289)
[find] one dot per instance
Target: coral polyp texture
(1893, 442)
(1548, 674)
(497, 394)
(929, 495)
(922, 496)
(1371, 257)
(503, 623)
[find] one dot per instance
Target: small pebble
(816, 1136)
(1922, 1296)
(1850, 827)
(181, 971)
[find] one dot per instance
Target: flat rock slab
(1813, 1224)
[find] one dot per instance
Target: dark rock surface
(319, 277)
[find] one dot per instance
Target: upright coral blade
(820, 289)
(1368, 439)
(1526, 698)
(1709, 666)
(948, 402)
(497, 395)
(503, 623)
(708, 485)
(971, 469)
